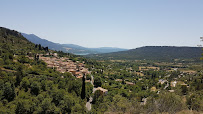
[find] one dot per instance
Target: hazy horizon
(111, 47)
(123, 24)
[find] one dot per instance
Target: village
(64, 64)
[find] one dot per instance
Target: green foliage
(19, 75)
(75, 87)
(170, 103)
(166, 102)
(195, 101)
(88, 77)
(97, 82)
(57, 96)
(97, 97)
(35, 88)
(88, 89)
(9, 91)
(67, 103)
(25, 84)
(23, 107)
(46, 106)
(120, 104)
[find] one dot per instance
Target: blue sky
(107, 23)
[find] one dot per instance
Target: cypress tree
(83, 87)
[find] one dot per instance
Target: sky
(107, 23)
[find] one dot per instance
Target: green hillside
(160, 53)
(28, 86)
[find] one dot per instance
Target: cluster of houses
(64, 64)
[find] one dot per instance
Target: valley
(36, 79)
(145, 81)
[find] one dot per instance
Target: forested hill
(26, 84)
(13, 41)
(164, 53)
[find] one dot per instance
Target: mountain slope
(153, 53)
(28, 86)
(69, 48)
(54, 46)
(14, 42)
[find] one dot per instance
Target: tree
(36, 57)
(46, 106)
(77, 109)
(25, 84)
(88, 90)
(184, 89)
(67, 103)
(19, 75)
(169, 103)
(61, 84)
(23, 107)
(9, 91)
(103, 107)
(97, 82)
(195, 101)
(35, 88)
(36, 45)
(1, 94)
(58, 96)
(120, 104)
(40, 47)
(23, 59)
(46, 49)
(88, 77)
(83, 87)
(96, 96)
(75, 86)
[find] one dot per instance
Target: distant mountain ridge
(162, 53)
(70, 48)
